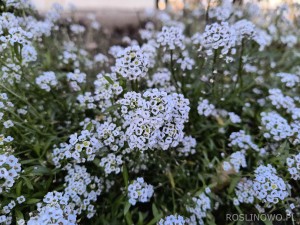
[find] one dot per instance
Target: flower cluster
(222, 11)
(243, 142)
(186, 63)
(132, 63)
(293, 164)
(154, 119)
(111, 163)
(236, 161)
(188, 146)
(197, 98)
(101, 59)
(4, 139)
(75, 79)
(244, 29)
(82, 188)
(201, 205)
(276, 126)
(269, 188)
(205, 108)
(218, 36)
(172, 220)
(139, 191)
(106, 88)
(290, 80)
(244, 192)
(10, 169)
(161, 80)
(234, 117)
(81, 148)
(55, 209)
(46, 81)
(281, 101)
(171, 38)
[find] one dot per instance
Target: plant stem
(240, 69)
(212, 72)
(172, 69)
(22, 99)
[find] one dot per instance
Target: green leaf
(125, 176)
(112, 108)
(28, 161)
(18, 188)
(266, 221)
(155, 211)
(28, 183)
(141, 219)
(171, 179)
(40, 170)
(233, 184)
(19, 215)
(126, 208)
(32, 201)
(96, 161)
(108, 79)
(128, 218)
(89, 126)
(154, 220)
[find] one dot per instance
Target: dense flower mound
(155, 119)
(191, 118)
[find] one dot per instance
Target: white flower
(161, 80)
(218, 36)
(244, 29)
(290, 80)
(75, 79)
(189, 144)
(139, 191)
(172, 220)
(8, 124)
(171, 38)
(234, 117)
(46, 81)
(201, 205)
(77, 29)
(243, 142)
(21, 199)
(111, 163)
(132, 63)
(293, 164)
(244, 191)
(154, 119)
(269, 188)
(275, 126)
(10, 169)
(205, 108)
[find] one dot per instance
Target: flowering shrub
(195, 119)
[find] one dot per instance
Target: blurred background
(121, 13)
(131, 4)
